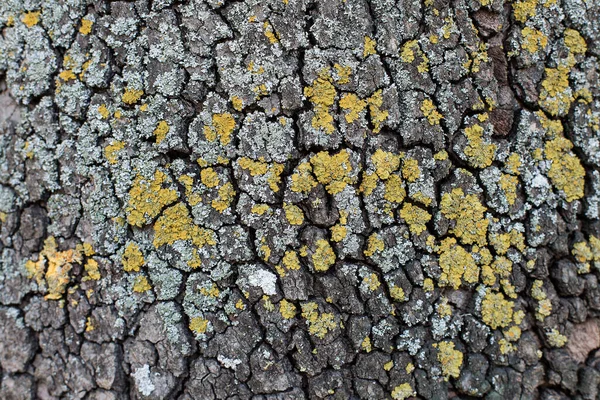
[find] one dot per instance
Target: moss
(450, 359)
(131, 96)
(468, 214)
(323, 257)
(161, 131)
(132, 259)
(430, 111)
(566, 172)
(141, 284)
(221, 128)
(287, 309)
(86, 26)
(319, 324)
(198, 325)
(322, 95)
(496, 311)
(415, 217)
(147, 198)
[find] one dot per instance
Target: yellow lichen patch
(566, 172)
(556, 95)
(407, 54)
(366, 344)
(457, 265)
(92, 270)
(513, 163)
(260, 209)
(374, 243)
(131, 96)
(302, 179)
(388, 365)
(479, 154)
(555, 339)
(103, 111)
(161, 131)
(110, 151)
(290, 261)
(468, 214)
(524, 9)
(141, 284)
(369, 47)
(575, 42)
(378, 116)
(533, 40)
(403, 391)
(209, 177)
(333, 171)
(287, 309)
(270, 33)
(338, 232)
(212, 291)
(176, 224)
(343, 73)
(293, 214)
(354, 105)
(53, 268)
(323, 257)
(198, 325)
(31, 18)
(385, 163)
(496, 311)
(255, 167)
(508, 183)
(132, 259)
(443, 308)
(318, 323)
(410, 170)
(237, 103)
(397, 293)
(222, 127)
(450, 359)
(89, 324)
(147, 198)
(226, 197)
(394, 191)
(322, 95)
(415, 217)
(430, 111)
(371, 281)
(86, 26)
(67, 75)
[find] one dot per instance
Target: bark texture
(299, 199)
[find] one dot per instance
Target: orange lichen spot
(176, 224)
(287, 309)
(222, 128)
(333, 171)
(457, 265)
(374, 243)
(575, 42)
(147, 198)
(450, 359)
(131, 96)
(209, 177)
(354, 105)
(323, 257)
(343, 73)
(369, 47)
(468, 214)
(302, 179)
(319, 324)
(566, 172)
(403, 391)
(338, 232)
(443, 308)
(237, 103)
(270, 33)
(103, 111)
(110, 151)
(479, 153)
(132, 259)
(144, 107)
(496, 311)
(161, 131)
(322, 95)
(533, 40)
(31, 18)
(415, 217)
(212, 291)
(293, 214)
(53, 268)
(378, 116)
(430, 111)
(86, 26)
(92, 270)
(10, 21)
(198, 325)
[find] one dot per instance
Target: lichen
(222, 126)
(132, 259)
(450, 359)
(566, 172)
(322, 95)
(323, 257)
(319, 324)
(161, 131)
(147, 198)
(496, 311)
